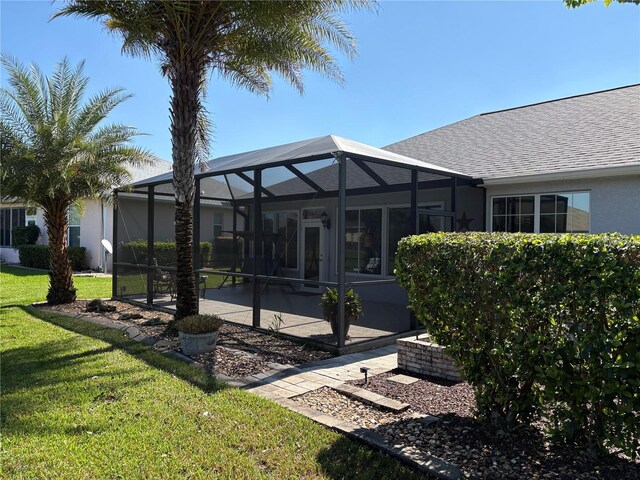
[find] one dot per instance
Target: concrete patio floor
(300, 312)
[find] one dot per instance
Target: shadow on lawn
(120, 340)
(52, 375)
(346, 458)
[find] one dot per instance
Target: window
(544, 213)
(74, 226)
(513, 214)
(363, 241)
(280, 230)
(217, 225)
(9, 219)
(564, 213)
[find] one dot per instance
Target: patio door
(312, 255)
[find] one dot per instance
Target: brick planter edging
(424, 357)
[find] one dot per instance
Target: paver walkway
(325, 373)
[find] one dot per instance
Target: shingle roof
(156, 166)
(571, 134)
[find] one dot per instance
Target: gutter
(566, 175)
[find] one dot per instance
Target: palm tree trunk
(185, 105)
(61, 289)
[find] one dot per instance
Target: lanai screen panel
(131, 279)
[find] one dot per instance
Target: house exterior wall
(92, 232)
(614, 201)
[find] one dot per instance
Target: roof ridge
(560, 99)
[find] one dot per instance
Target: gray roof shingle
(156, 166)
(589, 131)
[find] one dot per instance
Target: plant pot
(194, 344)
(347, 323)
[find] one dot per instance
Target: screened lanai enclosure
(276, 227)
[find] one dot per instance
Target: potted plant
(352, 309)
(198, 333)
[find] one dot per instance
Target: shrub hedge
(165, 252)
(37, 256)
(539, 324)
(25, 235)
(217, 255)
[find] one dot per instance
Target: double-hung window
(74, 226)
(217, 225)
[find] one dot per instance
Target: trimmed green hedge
(165, 253)
(25, 235)
(37, 256)
(539, 324)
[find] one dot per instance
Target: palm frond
(55, 147)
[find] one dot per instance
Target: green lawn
(20, 286)
(81, 401)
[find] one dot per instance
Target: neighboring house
(87, 226)
(566, 165)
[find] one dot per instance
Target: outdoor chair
(373, 266)
(163, 281)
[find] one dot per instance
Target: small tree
(56, 152)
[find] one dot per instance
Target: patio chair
(163, 281)
(373, 266)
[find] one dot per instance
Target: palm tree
(243, 41)
(56, 152)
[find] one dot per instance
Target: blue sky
(421, 65)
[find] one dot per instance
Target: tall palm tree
(56, 151)
(243, 41)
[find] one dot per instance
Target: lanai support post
(454, 207)
(234, 247)
(257, 243)
(150, 242)
(114, 255)
(196, 241)
(342, 206)
(415, 230)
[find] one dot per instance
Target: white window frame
(536, 205)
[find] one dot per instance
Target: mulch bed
(427, 395)
(479, 451)
(241, 351)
